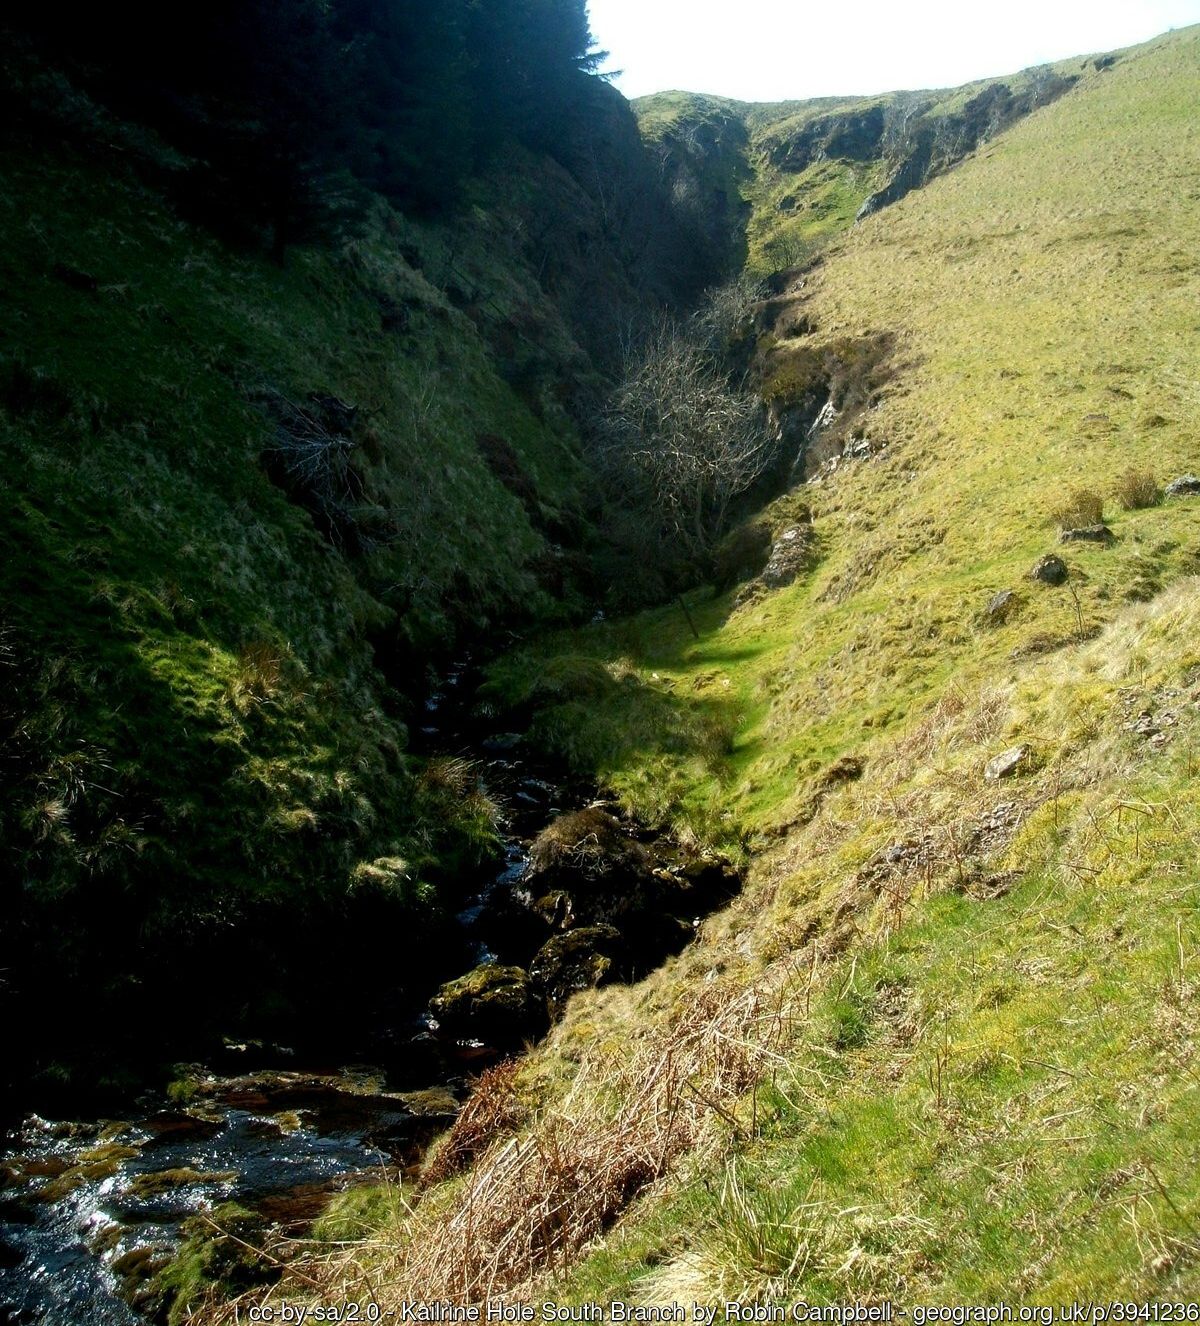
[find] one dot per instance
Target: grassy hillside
(245, 507)
(942, 1049)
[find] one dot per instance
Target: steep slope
(779, 180)
(245, 507)
(941, 1050)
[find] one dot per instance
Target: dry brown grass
(533, 1202)
(1138, 489)
(494, 1110)
(1080, 507)
(258, 675)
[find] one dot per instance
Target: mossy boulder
(587, 870)
(578, 960)
(493, 1003)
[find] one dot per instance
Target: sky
(775, 50)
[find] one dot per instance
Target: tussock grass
(1138, 489)
(1080, 507)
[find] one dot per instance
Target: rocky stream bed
(92, 1210)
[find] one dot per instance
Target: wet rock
(578, 960)
(431, 1103)
(1050, 570)
(513, 928)
(138, 1263)
(171, 1126)
(265, 1130)
(1001, 607)
(492, 1003)
(170, 1180)
(75, 1176)
(503, 743)
(1006, 764)
(10, 1256)
(1088, 534)
(789, 558)
(1187, 485)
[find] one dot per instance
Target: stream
(90, 1210)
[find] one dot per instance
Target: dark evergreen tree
(282, 103)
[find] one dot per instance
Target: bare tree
(728, 311)
(682, 437)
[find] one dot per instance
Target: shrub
(681, 439)
(1080, 507)
(1137, 489)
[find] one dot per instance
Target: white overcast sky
(772, 50)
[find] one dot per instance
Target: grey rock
(1187, 485)
(789, 557)
(1006, 764)
(1088, 534)
(1050, 570)
(1001, 606)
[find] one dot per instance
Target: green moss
(216, 1259)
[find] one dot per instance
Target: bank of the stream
(246, 1150)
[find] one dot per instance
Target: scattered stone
(1152, 721)
(1088, 534)
(1006, 764)
(790, 556)
(1001, 607)
(1050, 570)
(1187, 485)
(492, 1003)
(987, 888)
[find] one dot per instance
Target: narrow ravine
(91, 1210)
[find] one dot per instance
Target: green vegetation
(209, 645)
(941, 1048)
(793, 176)
(968, 996)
